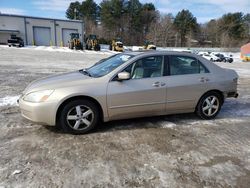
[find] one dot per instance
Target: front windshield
(104, 67)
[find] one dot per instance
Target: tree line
(135, 22)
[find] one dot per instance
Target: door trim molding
(175, 101)
(134, 105)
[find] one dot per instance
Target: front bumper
(41, 113)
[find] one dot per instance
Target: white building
(39, 31)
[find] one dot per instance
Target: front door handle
(203, 79)
(156, 84)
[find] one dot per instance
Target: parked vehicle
(229, 59)
(92, 43)
(209, 56)
(116, 45)
(75, 42)
(245, 58)
(149, 45)
(223, 58)
(129, 85)
(15, 41)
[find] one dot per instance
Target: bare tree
(162, 32)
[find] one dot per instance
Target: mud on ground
(169, 151)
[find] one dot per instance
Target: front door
(143, 94)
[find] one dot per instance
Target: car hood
(57, 81)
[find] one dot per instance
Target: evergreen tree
(233, 25)
(89, 10)
(185, 23)
(74, 11)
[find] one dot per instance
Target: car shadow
(167, 121)
(231, 109)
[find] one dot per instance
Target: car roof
(153, 52)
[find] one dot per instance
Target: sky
(202, 10)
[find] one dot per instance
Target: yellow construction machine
(116, 45)
(92, 43)
(149, 45)
(75, 42)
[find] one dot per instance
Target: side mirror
(123, 76)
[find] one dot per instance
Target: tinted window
(180, 65)
(146, 68)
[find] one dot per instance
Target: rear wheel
(209, 105)
(97, 47)
(79, 116)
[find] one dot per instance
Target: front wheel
(79, 116)
(209, 105)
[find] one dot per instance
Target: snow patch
(167, 124)
(9, 101)
(16, 172)
(245, 97)
(66, 49)
(224, 173)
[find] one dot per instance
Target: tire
(209, 105)
(72, 118)
(97, 47)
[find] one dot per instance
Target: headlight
(38, 96)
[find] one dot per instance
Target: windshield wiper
(85, 72)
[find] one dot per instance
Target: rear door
(188, 80)
(144, 94)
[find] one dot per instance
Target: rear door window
(180, 65)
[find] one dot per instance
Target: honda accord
(129, 85)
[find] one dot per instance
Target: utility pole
(75, 13)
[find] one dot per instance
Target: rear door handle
(202, 79)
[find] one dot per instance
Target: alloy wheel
(80, 117)
(210, 106)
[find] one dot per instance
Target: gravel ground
(168, 151)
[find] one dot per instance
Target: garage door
(4, 38)
(66, 35)
(42, 36)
